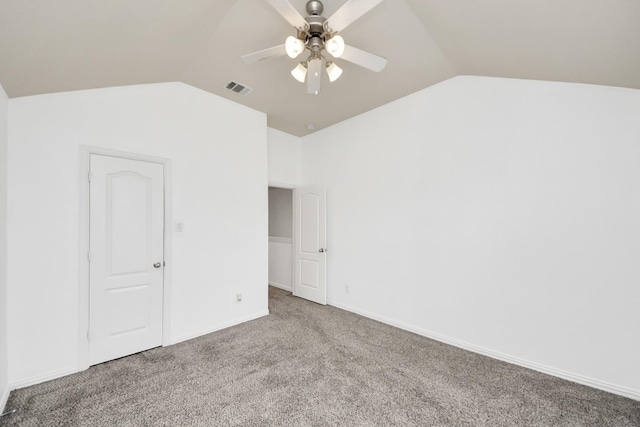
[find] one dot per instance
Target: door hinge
(89, 176)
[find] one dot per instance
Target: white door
(126, 257)
(310, 246)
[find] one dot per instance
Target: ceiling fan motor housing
(315, 36)
(316, 27)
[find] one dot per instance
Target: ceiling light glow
(335, 46)
(300, 72)
(333, 71)
(293, 46)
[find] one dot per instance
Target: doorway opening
(281, 238)
(297, 241)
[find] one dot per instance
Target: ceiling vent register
(239, 88)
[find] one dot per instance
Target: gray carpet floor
(309, 365)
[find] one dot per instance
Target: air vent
(239, 88)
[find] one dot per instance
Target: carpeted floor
(309, 365)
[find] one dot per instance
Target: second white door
(126, 257)
(310, 244)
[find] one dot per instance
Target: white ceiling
(51, 46)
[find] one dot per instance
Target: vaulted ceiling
(52, 46)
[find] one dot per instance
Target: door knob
(157, 265)
(321, 250)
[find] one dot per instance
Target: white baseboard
(580, 379)
(281, 286)
(37, 379)
(3, 399)
(288, 240)
(224, 325)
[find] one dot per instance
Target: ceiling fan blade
(289, 13)
(349, 12)
(314, 76)
(264, 54)
(364, 59)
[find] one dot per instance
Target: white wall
(219, 189)
(281, 238)
(4, 373)
(280, 212)
(284, 158)
(499, 215)
(281, 263)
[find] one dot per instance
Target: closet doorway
(281, 238)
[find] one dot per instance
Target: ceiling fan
(318, 34)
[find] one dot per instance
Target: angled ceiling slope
(73, 44)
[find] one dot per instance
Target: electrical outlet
(346, 288)
(239, 298)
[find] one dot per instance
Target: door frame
(83, 288)
(293, 226)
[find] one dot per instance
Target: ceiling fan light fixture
(300, 72)
(319, 36)
(333, 71)
(335, 46)
(293, 46)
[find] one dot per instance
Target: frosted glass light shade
(293, 46)
(333, 71)
(335, 46)
(300, 72)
